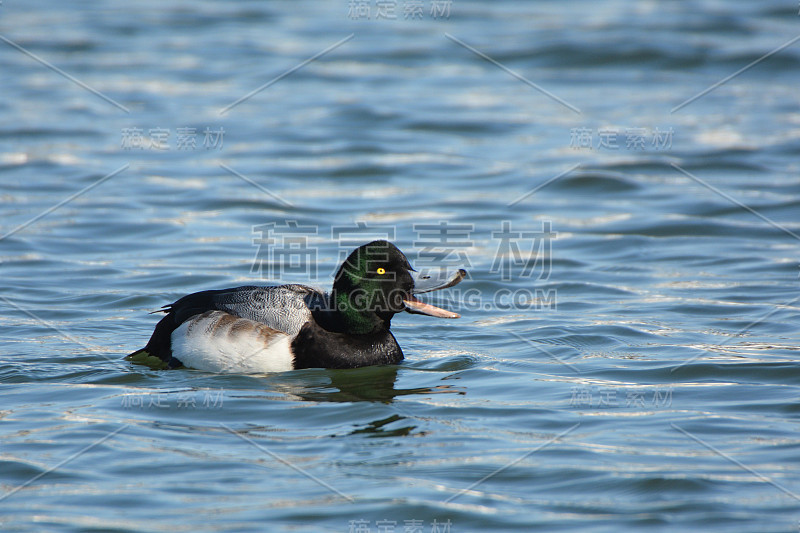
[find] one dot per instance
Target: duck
(277, 328)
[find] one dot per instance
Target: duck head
(376, 282)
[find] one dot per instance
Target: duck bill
(416, 306)
(433, 281)
(428, 282)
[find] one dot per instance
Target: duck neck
(353, 318)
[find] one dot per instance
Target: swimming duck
(256, 329)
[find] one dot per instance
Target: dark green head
(375, 282)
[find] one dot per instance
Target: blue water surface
(619, 178)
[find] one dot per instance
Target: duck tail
(137, 355)
(143, 357)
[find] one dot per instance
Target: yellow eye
(381, 271)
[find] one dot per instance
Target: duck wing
(282, 308)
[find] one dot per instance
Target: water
(644, 379)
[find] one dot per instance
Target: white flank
(218, 342)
